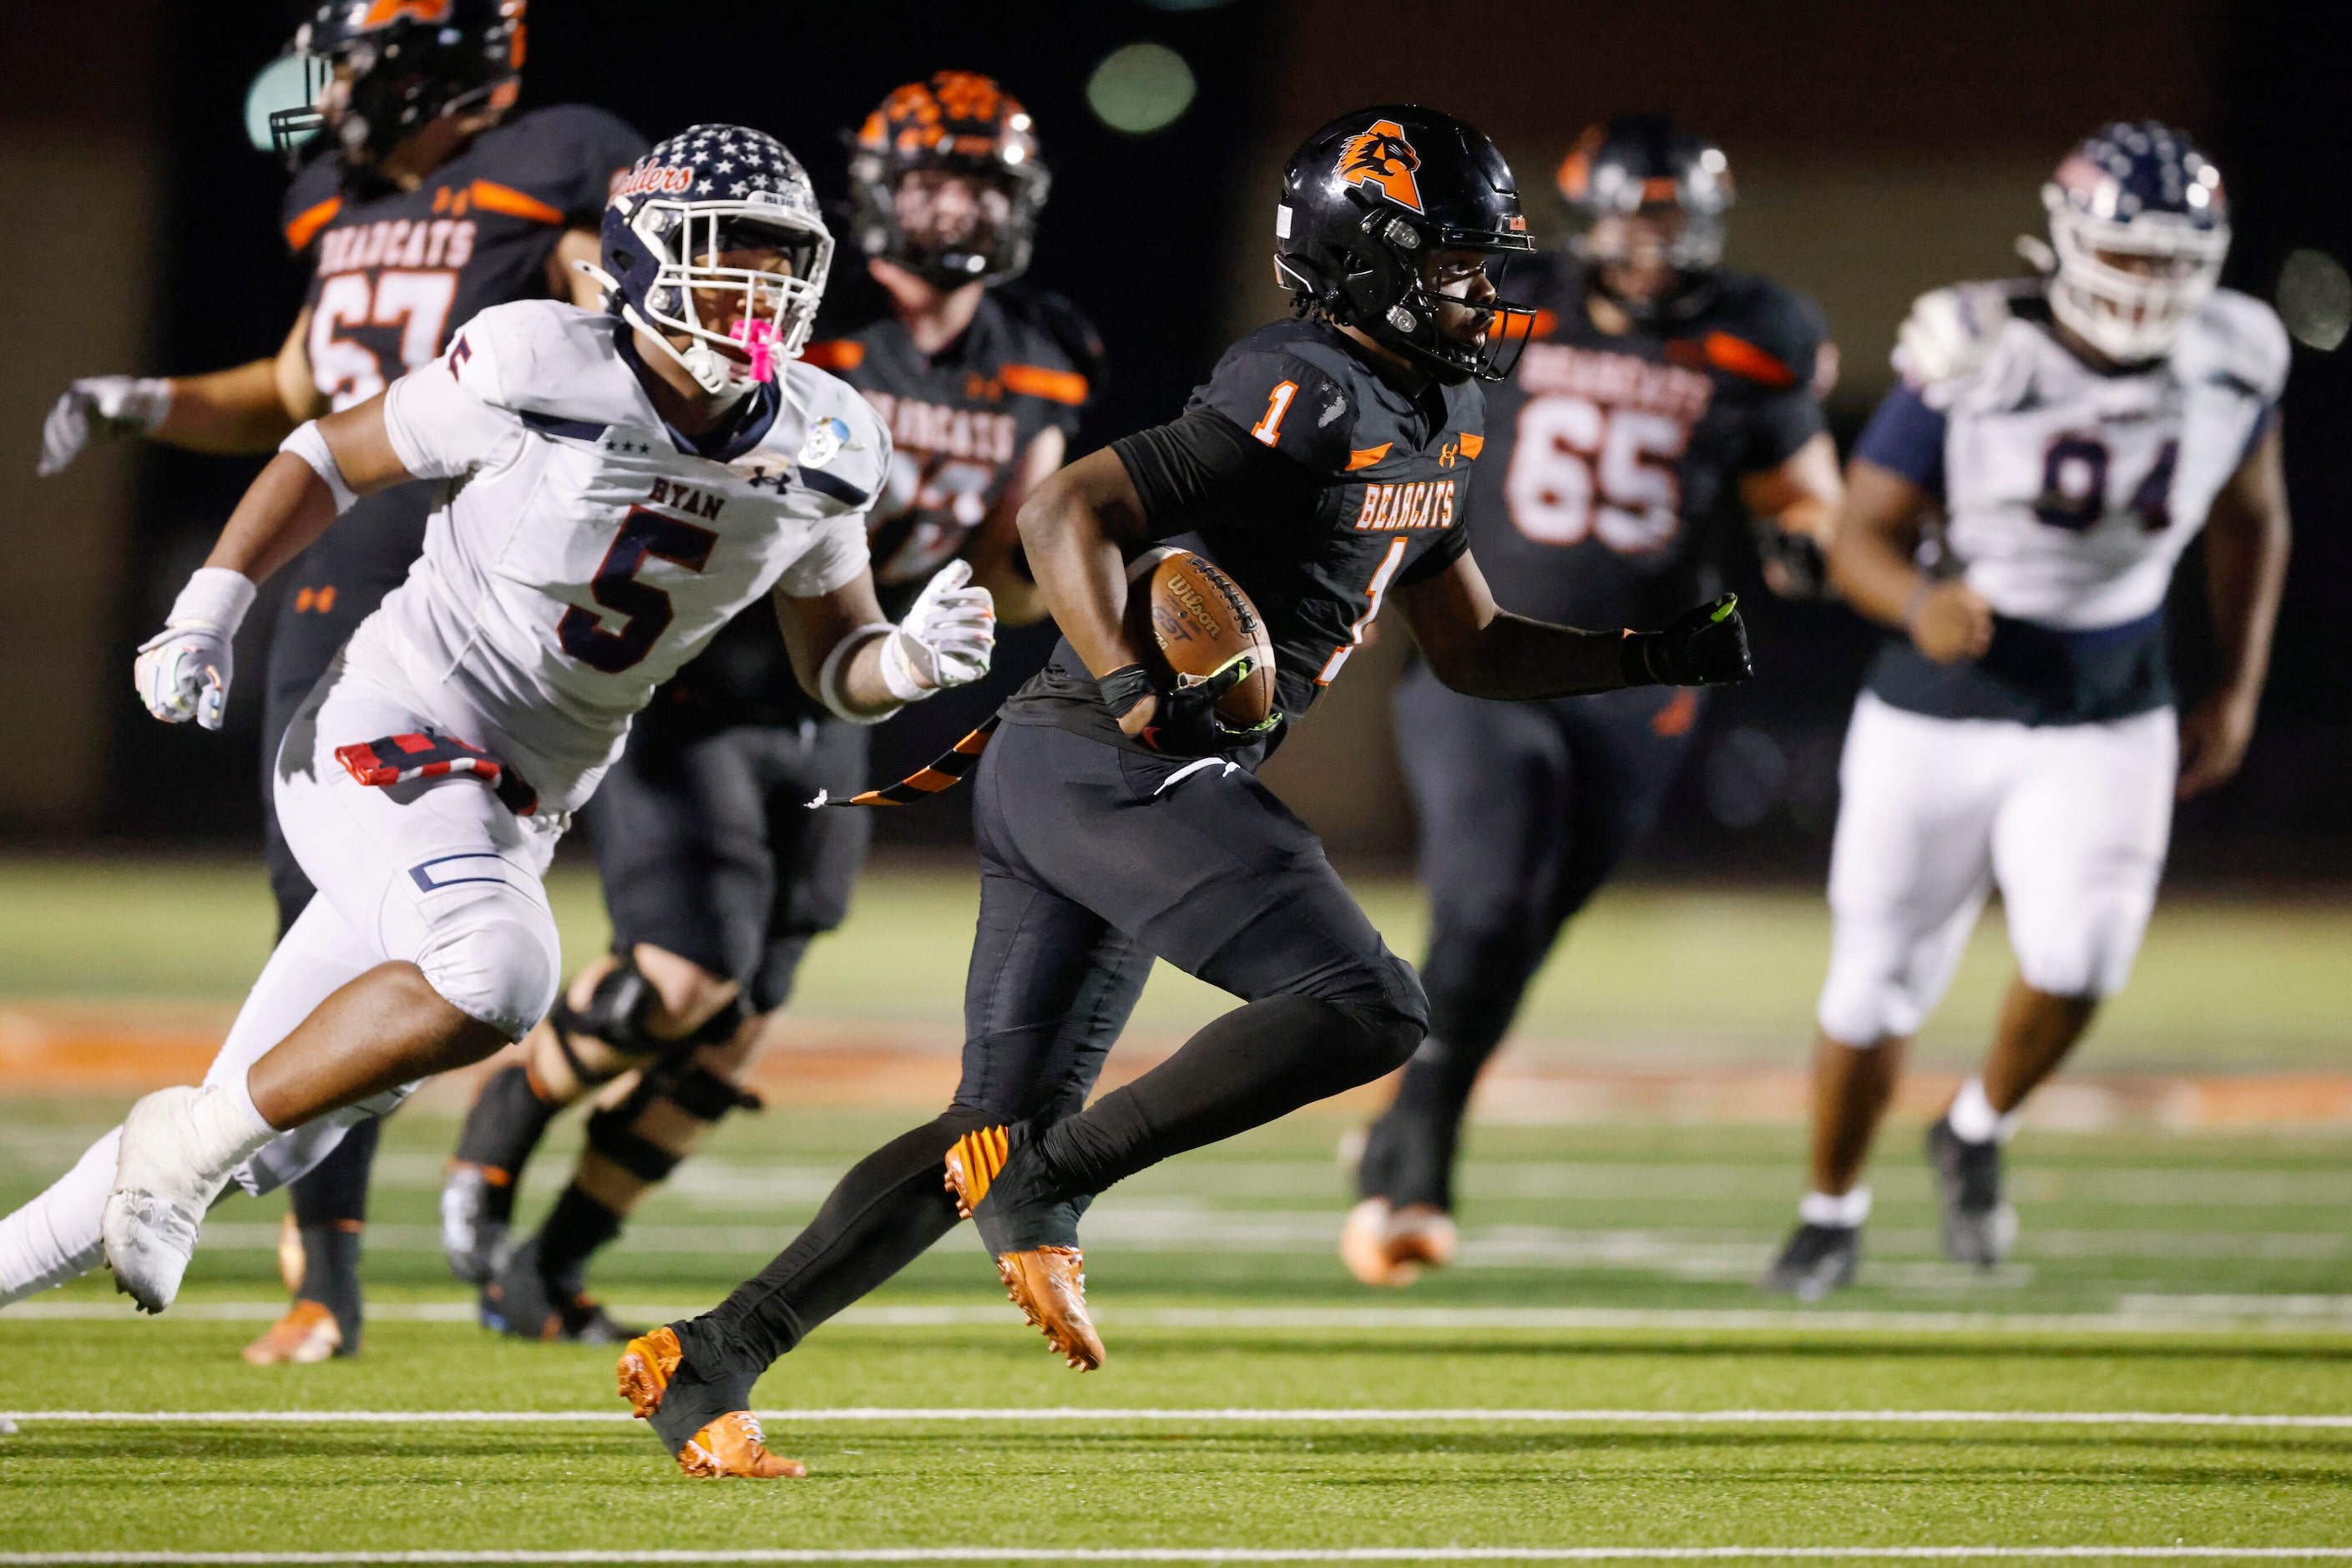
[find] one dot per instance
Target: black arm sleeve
(1203, 470)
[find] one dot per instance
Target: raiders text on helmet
(408, 62)
(1370, 195)
(2140, 227)
(708, 191)
(963, 123)
(1645, 164)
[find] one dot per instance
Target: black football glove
(1705, 646)
(1185, 724)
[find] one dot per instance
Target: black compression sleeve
(1203, 470)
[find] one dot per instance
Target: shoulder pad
(1951, 331)
(312, 199)
(2236, 339)
(542, 356)
(840, 436)
(1774, 318)
(1065, 325)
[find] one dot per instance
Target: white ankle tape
(1845, 1211)
(233, 1130)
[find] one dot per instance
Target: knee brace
(616, 1016)
(493, 954)
(684, 1082)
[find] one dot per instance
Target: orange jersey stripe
(1473, 445)
(306, 227)
(1365, 457)
(834, 354)
(491, 196)
(1036, 380)
(1743, 358)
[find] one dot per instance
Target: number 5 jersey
(583, 549)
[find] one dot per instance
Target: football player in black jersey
(1660, 401)
(415, 203)
(1118, 818)
(716, 875)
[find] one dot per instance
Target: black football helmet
(1645, 164)
(411, 61)
(1366, 198)
(962, 122)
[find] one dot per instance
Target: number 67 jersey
(584, 550)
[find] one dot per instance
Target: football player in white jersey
(619, 483)
(2076, 433)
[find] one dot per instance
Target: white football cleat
(171, 1166)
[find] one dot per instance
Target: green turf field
(1603, 1271)
(1650, 976)
(1595, 1376)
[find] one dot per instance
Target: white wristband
(900, 675)
(308, 445)
(837, 665)
(216, 597)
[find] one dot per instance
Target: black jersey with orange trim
(393, 273)
(960, 419)
(959, 422)
(1317, 481)
(1615, 459)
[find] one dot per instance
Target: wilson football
(1198, 620)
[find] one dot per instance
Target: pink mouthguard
(760, 337)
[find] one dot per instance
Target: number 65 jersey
(586, 550)
(2069, 494)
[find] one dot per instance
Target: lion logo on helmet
(1378, 155)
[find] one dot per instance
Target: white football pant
(2070, 821)
(435, 873)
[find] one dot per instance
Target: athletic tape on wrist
(836, 665)
(308, 445)
(898, 672)
(215, 597)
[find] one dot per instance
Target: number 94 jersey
(394, 272)
(2069, 493)
(1611, 456)
(586, 551)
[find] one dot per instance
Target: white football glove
(103, 404)
(1949, 331)
(182, 672)
(946, 638)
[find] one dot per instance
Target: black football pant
(333, 587)
(1525, 809)
(1093, 861)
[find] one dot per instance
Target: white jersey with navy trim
(583, 552)
(2070, 494)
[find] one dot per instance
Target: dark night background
(1158, 239)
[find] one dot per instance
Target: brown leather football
(1198, 620)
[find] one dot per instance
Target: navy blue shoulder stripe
(839, 489)
(577, 429)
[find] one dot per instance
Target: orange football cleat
(1049, 1286)
(734, 1445)
(306, 1335)
(972, 1164)
(645, 1368)
(1385, 1248)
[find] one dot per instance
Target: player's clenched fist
(1948, 621)
(1703, 646)
(103, 404)
(947, 640)
(182, 672)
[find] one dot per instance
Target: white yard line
(1215, 1554)
(1335, 1416)
(2138, 1314)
